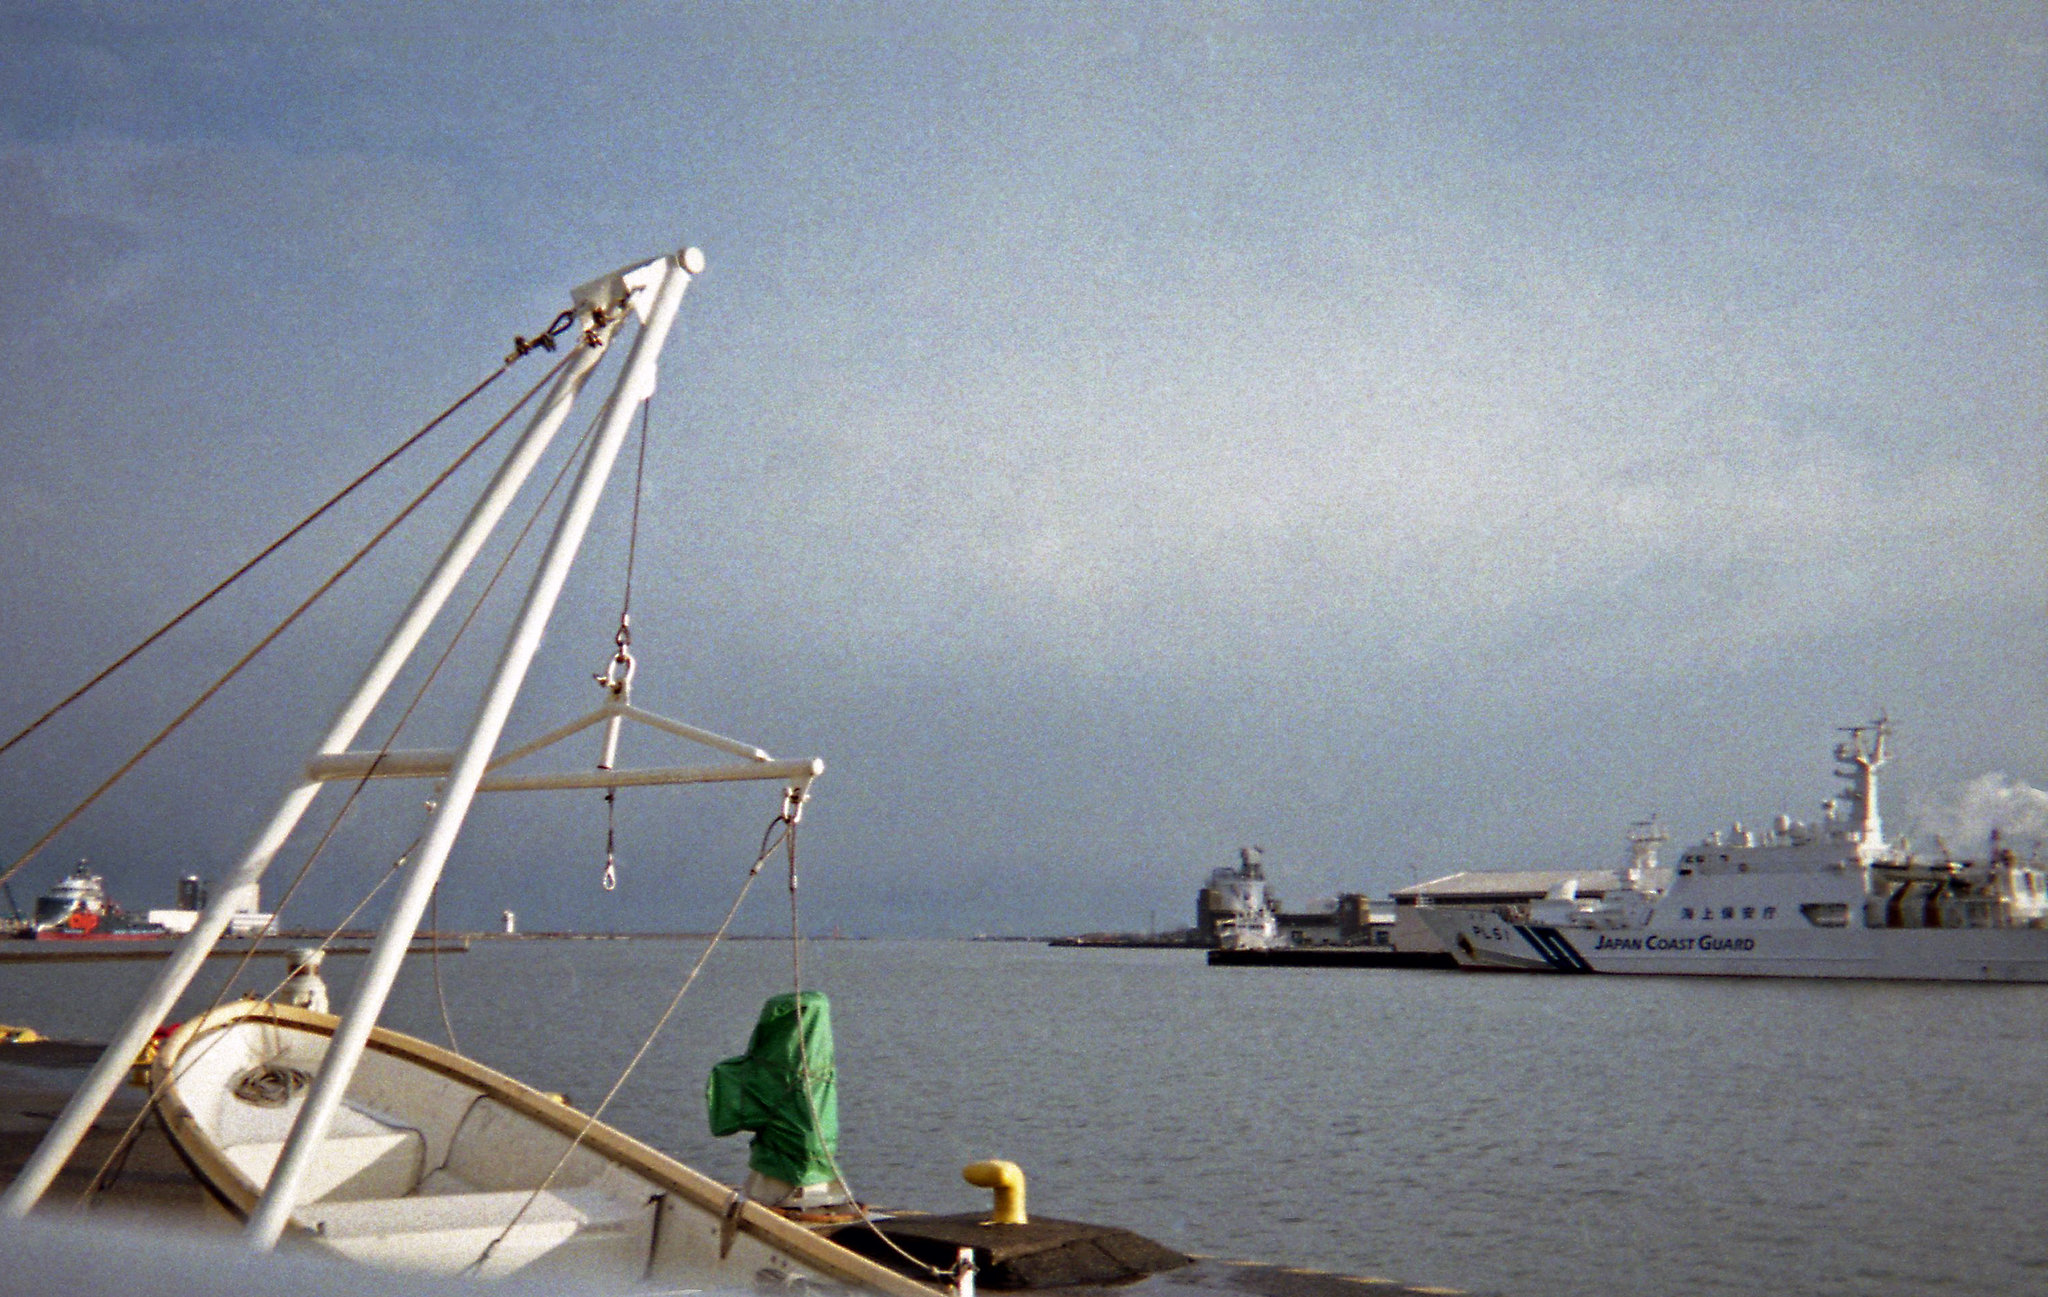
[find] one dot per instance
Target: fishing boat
(1831, 898)
(390, 1149)
(438, 1164)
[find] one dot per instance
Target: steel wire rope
(271, 636)
(98, 1183)
(521, 347)
(434, 959)
(770, 839)
(622, 641)
(796, 957)
(633, 527)
(504, 563)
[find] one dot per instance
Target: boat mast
(665, 281)
(91, 1097)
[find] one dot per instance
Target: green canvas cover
(762, 1091)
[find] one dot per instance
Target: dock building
(1508, 890)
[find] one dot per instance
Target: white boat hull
(438, 1164)
(1482, 939)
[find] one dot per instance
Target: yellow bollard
(1007, 1179)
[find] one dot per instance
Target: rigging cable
(619, 674)
(270, 637)
(769, 840)
(633, 530)
(434, 958)
(521, 346)
(795, 798)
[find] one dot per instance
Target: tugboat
(1826, 899)
(77, 907)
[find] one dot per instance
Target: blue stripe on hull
(1556, 951)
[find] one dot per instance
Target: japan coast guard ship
(1831, 899)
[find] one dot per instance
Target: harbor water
(1535, 1136)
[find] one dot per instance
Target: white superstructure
(1827, 899)
(249, 920)
(1236, 908)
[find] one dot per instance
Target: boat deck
(151, 1182)
(36, 1079)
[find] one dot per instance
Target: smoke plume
(1964, 817)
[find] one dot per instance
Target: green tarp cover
(762, 1091)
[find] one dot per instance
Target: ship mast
(1644, 837)
(1862, 754)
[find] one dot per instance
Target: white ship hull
(1482, 939)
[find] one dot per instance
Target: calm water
(1532, 1136)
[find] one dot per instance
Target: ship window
(1826, 914)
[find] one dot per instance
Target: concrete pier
(1331, 957)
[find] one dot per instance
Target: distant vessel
(77, 907)
(1235, 907)
(247, 921)
(1831, 899)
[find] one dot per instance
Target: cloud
(116, 221)
(1385, 462)
(1262, 395)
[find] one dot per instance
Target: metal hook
(617, 677)
(618, 673)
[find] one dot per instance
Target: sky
(1407, 438)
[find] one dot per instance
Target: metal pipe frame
(387, 952)
(91, 1097)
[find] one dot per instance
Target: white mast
(664, 280)
(1864, 753)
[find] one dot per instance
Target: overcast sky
(1407, 438)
